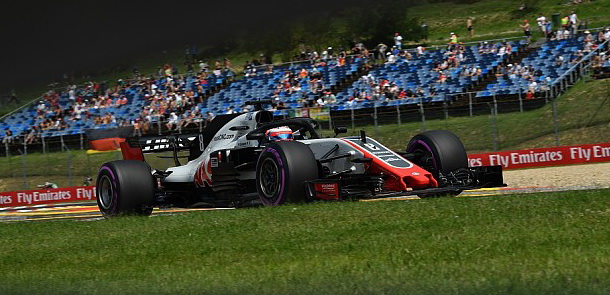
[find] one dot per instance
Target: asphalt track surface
(88, 211)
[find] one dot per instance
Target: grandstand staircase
(349, 80)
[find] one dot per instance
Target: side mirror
(255, 136)
(339, 130)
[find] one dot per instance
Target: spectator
(532, 85)
(48, 185)
(33, 134)
(189, 118)
(559, 60)
(564, 22)
(398, 40)
(381, 49)
(137, 127)
(548, 30)
(442, 78)
(329, 98)
(391, 58)
(209, 116)
(172, 121)
(542, 24)
(453, 40)
(419, 51)
(8, 136)
(573, 22)
(525, 26)
(87, 181)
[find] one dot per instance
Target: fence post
(445, 107)
(320, 128)
(159, 124)
(82, 145)
(421, 113)
(353, 123)
(375, 118)
(555, 124)
(44, 147)
(398, 114)
(69, 167)
(470, 103)
(494, 131)
(330, 120)
(88, 164)
(495, 104)
(520, 102)
(24, 169)
(61, 139)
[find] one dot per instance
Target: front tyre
(125, 187)
(282, 170)
(440, 152)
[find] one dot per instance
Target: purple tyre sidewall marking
(427, 147)
(280, 195)
(114, 201)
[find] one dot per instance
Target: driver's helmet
(282, 133)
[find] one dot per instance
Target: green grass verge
(553, 243)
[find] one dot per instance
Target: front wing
(480, 177)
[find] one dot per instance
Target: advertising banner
(46, 196)
(540, 157)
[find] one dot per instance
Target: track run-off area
(88, 211)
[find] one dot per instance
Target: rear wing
(134, 148)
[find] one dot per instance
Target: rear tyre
(282, 170)
(439, 152)
(125, 187)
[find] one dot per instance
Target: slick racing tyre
(125, 187)
(282, 170)
(439, 152)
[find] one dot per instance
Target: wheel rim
(106, 192)
(269, 178)
(427, 160)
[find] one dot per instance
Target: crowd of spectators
(454, 57)
(174, 98)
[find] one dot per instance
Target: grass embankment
(493, 19)
(529, 244)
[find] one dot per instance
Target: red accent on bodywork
(131, 153)
(328, 190)
(398, 179)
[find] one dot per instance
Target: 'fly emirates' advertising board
(540, 157)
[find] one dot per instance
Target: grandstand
(346, 76)
(544, 60)
(419, 73)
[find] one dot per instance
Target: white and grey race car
(233, 162)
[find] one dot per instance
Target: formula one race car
(250, 159)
